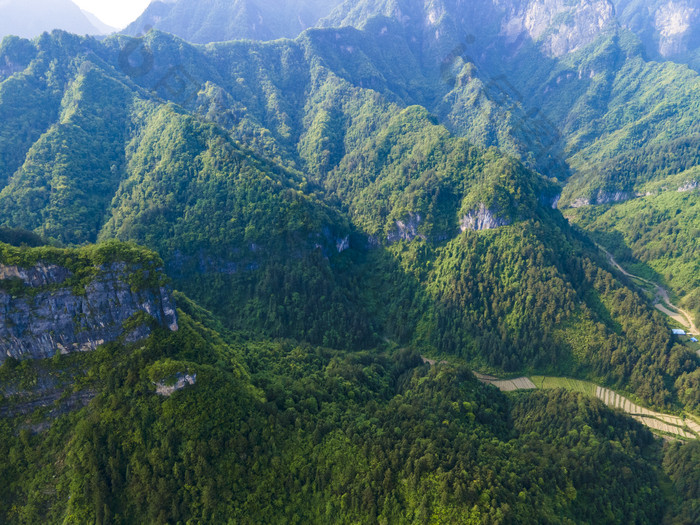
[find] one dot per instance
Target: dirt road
(673, 311)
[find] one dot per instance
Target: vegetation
(329, 201)
(287, 433)
(143, 267)
(655, 237)
(318, 205)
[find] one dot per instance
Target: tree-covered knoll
(144, 267)
(278, 432)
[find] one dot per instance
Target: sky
(116, 13)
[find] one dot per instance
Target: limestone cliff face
(482, 218)
(50, 317)
(674, 22)
(406, 230)
(559, 26)
(669, 28)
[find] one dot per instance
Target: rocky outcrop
(181, 381)
(406, 230)
(602, 197)
(343, 244)
(51, 318)
(39, 275)
(673, 22)
(482, 218)
(559, 26)
(689, 186)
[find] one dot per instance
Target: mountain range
(338, 192)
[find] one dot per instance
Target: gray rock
(181, 381)
(406, 230)
(59, 320)
(482, 218)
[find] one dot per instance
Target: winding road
(674, 312)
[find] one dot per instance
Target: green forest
(335, 195)
(282, 432)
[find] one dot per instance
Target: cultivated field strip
(654, 420)
(655, 424)
(684, 428)
(510, 385)
(692, 425)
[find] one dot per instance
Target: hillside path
(675, 312)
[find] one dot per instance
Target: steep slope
(216, 21)
(199, 425)
(237, 231)
(55, 300)
(30, 18)
(655, 236)
(618, 122)
(669, 29)
(377, 200)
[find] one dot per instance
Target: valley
(231, 233)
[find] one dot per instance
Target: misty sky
(116, 13)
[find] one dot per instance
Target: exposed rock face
(673, 22)
(39, 275)
(689, 186)
(602, 197)
(560, 26)
(343, 244)
(40, 324)
(406, 230)
(482, 219)
(608, 197)
(181, 381)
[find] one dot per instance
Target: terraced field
(665, 423)
(658, 422)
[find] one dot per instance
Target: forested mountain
(199, 424)
(398, 182)
(622, 126)
(347, 194)
(204, 21)
(30, 18)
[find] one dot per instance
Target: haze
(116, 13)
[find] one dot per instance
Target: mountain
(293, 193)
(58, 301)
(669, 30)
(103, 28)
(199, 424)
(354, 220)
(217, 21)
(30, 18)
(619, 123)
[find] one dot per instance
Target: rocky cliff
(669, 28)
(45, 310)
(482, 218)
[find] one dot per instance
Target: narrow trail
(674, 312)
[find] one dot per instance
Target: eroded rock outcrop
(181, 381)
(482, 218)
(406, 230)
(689, 186)
(559, 26)
(673, 22)
(49, 316)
